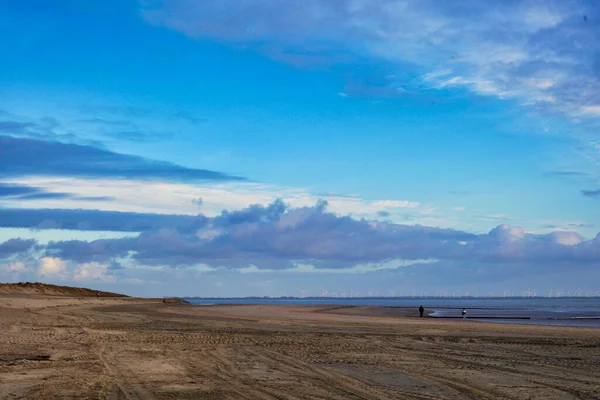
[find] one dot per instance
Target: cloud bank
(28, 157)
(281, 237)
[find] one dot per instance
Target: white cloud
(52, 266)
(542, 53)
(137, 281)
(304, 268)
(591, 109)
(395, 204)
(494, 217)
(178, 198)
(93, 272)
(17, 266)
(567, 238)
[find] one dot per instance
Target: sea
(572, 311)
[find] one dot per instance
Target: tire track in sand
(349, 386)
(128, 384)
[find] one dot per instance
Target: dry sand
(144, 349)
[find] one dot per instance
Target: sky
(269, 148)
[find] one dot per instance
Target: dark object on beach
(97, 295)
(421, 311)
(464, 313)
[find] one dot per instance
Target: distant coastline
(393, 298)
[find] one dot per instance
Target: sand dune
(125, 348)
(51, 290)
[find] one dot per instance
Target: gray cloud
(95, 220)
(492, 217)
(9, 190)
(46, 128)
(15, 246)
(567, 173)
(138, 112)
(104, 121)
(574, 225)
(591, 193)
(22, 157)
(120, 129)
(15, 127)
(23, 192)
(277, 237)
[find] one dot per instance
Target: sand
(54, 347)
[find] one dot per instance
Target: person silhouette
(464, 313)
(421, 311)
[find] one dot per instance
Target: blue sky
(264, 147)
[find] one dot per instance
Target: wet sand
(144, 349)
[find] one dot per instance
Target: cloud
(136, 135)
(135, 124)
(543, 54)
(9, 190)
(395, 204)
(46, 128)
(567, 226)
(253, 214)
(15, 246)
(104, 121)
(356, 269)
(279, 237)
(51, 266)
(498, 217)
(567, 173)
(161, 197)
(16, 192)
(579, 225)
(16, 266)
(372, 91)
(95, 220)
(505, 48)
(591, 193)
(15, 127)
(27, 157)
(128, 111)
(93, 272)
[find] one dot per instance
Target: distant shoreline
(545, 311)
(395, 298)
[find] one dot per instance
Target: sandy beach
(124, 348)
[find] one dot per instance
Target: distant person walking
(421, 311)
(464, 313)
(97, 295)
